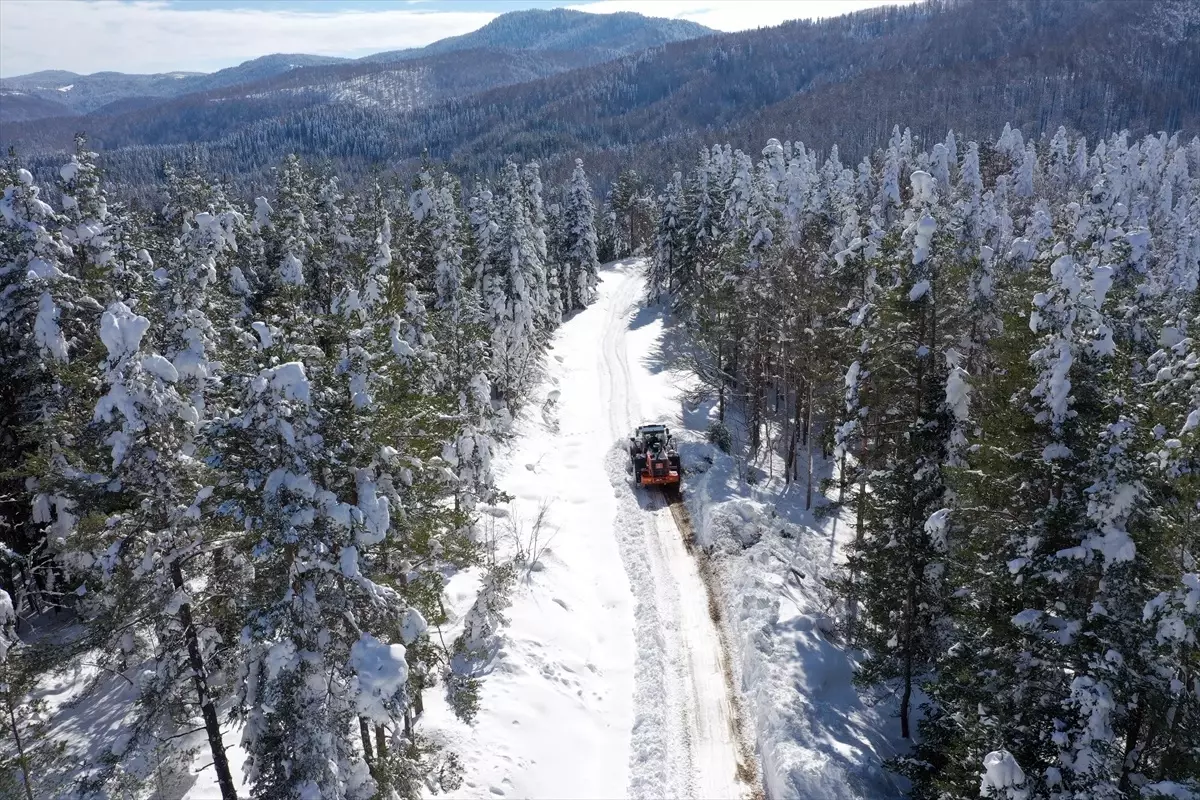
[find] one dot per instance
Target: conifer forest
(315, 476)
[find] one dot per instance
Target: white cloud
(150, 36)
(736, 15)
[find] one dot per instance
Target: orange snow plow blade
(670, 478)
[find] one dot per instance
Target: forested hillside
(313, 98)
(600, 37)
(1096, 66)
(587, 38)
(81, 94)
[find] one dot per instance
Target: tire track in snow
(747, 766)
(654, 765)
(724, 762)
(682, 700)
(686, 739)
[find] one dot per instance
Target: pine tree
(448, 256)
(581, 263)
(606, 231)
(664, 265)
(131, 561)
(540, 268)
(463, 360)
(24, 719)
(557, 267)
(626, 192)
(196, 275)
(901, 552)
(697, 229)
(34, 289)
(508, 290)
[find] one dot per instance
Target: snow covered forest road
(611, 678)
(680, 665)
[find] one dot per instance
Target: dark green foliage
(719, 435)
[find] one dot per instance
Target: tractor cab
(654, 456)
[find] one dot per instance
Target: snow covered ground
(611, 681)
(615, 675)
(816, 736)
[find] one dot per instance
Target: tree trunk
(364, 730)
(842, 481)
(859, 521)
(909, 623)
(1176, 749)
(808, 447)
(200, 680)
(793, 434)
(756, 422)
(29, 578)
(1132, 748)
(380, 742)
(720, 383)
(16, 732)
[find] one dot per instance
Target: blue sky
(87, 36)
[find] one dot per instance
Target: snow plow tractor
(654, 456)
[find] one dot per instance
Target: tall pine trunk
(808, 454)
(364, 730)
(790, 472)
(212, 725)
(22, 759)
(380, 743)
(720, 383)
(1133, 747)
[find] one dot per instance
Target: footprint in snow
(563, 604)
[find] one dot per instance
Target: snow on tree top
(46, 331)
(1027, 618)
(289, 380)
(919, 289)
(161, 367)
(69, 170)
(412, 626)
(381, 672)
(121, 330)
(1002, 777)
(924, 187)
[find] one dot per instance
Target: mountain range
(589, 38)
(626, 90)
